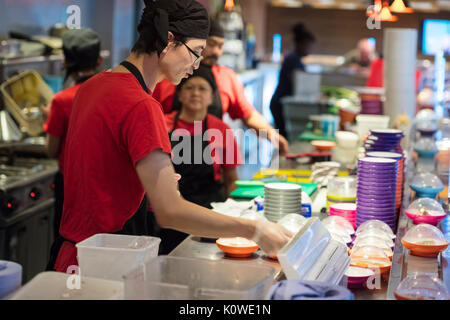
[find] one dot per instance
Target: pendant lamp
(398, 6)
(385, 14)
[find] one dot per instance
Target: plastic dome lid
(376, 233)
(343, 238)
(336, 222)
(426, 120)
(370, 257)
(372, 241)
(421, 287)
(426, 143)
(293, 222)
(425, 234)
(377, 225)
(425, 182)
(426, 207)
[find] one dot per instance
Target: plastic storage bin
(111, 256)
(176, 278)
(364, 123)
(24, 95)
(59, 286)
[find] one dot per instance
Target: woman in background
(304, 40)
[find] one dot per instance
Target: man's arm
(230, 177)
(257, 122)
(172, 211)
(53, 144)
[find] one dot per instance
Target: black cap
(81, 50)
(202, 72)
(216, 29)
(186, 18)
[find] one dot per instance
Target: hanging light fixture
(399, 6)
(385, 14)
(229, 4)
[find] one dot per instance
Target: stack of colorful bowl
(344, 210)
(400, 174)
(384, 140)
(376, 189)
(371, 104)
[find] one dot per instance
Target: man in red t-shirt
(230, 91)
(81, 59)
(117, 147)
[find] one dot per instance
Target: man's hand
(271, 237)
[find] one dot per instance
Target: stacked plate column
(281, 199)
(376, 190)
(400, 174)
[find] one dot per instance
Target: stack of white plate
(281, 199)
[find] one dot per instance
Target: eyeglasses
(198, 58)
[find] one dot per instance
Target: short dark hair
(302, 34)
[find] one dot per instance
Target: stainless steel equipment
(26, 212)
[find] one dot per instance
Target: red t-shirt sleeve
(240, 107)
(163, 93)
(56, 121)
(145, 130)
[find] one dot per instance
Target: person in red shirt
(118, 149)
(211, 179)
(81, 49)
(230, 97)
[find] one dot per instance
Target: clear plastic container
(346, 139)
(370, 257)
(427, 185)
(364, 123)
(426, 143)
(54, 286)
(426, 120)
(425, 210)
(421, 287)
(425, 234)
(377, 225)
(110, 256)
(342, 188)
(375, 242)
(425, 240)
(176, 278)
(342, 238)
(293, 222)
(372, 241)
(376, 233)
(339, 223)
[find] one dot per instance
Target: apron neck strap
(177, 117)
(136, 73)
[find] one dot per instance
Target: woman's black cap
(81, 50)
(204, 72)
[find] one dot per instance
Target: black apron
(137, 225)
(197, 185)
(215, 108)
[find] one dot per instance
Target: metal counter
(403, 264)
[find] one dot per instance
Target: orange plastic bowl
(424, 250)
(323, 145)
(237, 247)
